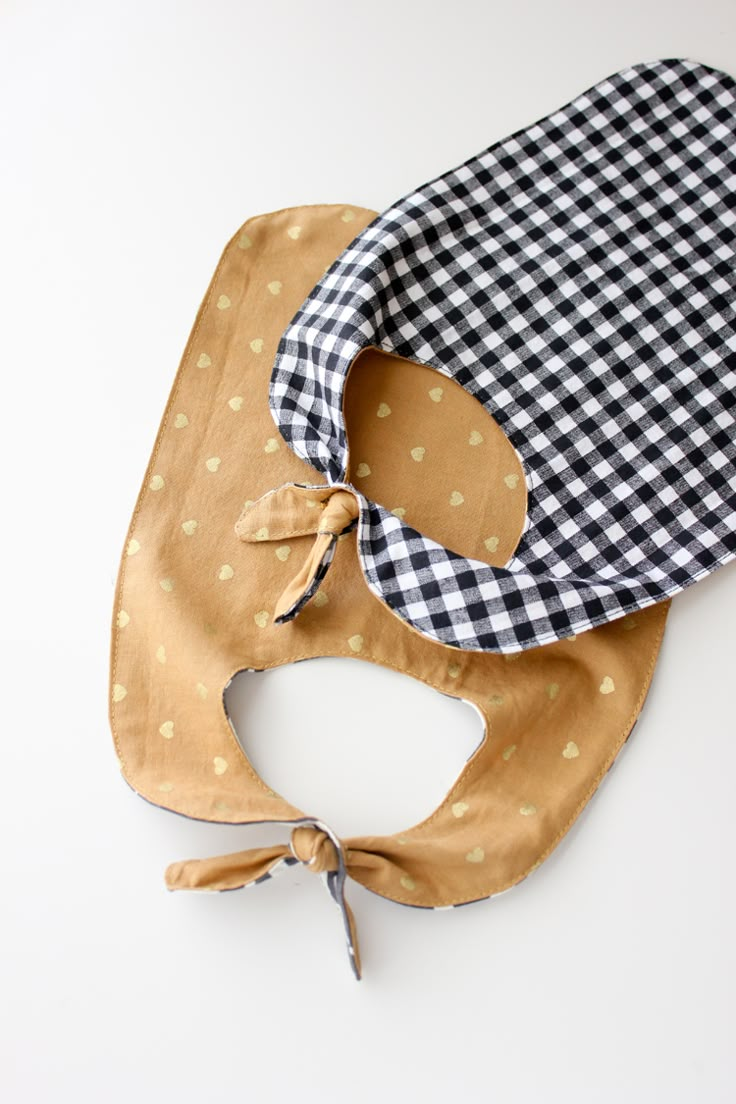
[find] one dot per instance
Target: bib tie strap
(312, 844)
(296, 511)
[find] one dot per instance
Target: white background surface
(136, 138)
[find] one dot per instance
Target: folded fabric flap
(225, 871)
(305, 583)
(287, 511)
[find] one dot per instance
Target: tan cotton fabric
(196, 600)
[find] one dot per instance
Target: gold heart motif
(161, 654)
(201, 690)
(257, 345)
(436, 394)
(294, 232)
(511, 481)
(553, 690)
(262, 533)
(189, 527)
(271, 445)
(321, 598)
(166, 787)
(399, 512)
(456, 499)
(491, 543)
(283, 552)
(460, 808)
(236, 402)
(356, 642)
(219, 764)
(347, 216)
(418, 454)
(204, 361)
(495, 699)
(244, 242)
(226, 572)
(133, 547)
(223, 303)
(118, 692)
(157, 483)
(213, 463)
(607, 686)
(122, 619)
(275, 287)
(363, 470)
(181, 421)
(167, 730)
(453, 670)
(261, 618)
(477, 855)
(383, 410)
(527, 809)
(508, 752)
(475, 438)
(570, 750)
(407, 882)
(167, 585)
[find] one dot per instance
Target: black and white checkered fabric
(578, 279)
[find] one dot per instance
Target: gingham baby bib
(578, 279)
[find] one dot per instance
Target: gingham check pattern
(578, 279)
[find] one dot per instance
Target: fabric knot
(315, 849)
(296, 511)
(311, 844)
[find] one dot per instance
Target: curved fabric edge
(554, 609)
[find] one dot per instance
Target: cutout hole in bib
(367, 749)
(409, 428)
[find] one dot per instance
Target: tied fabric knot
(311, 844)
(314, 849)
(292, 511)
